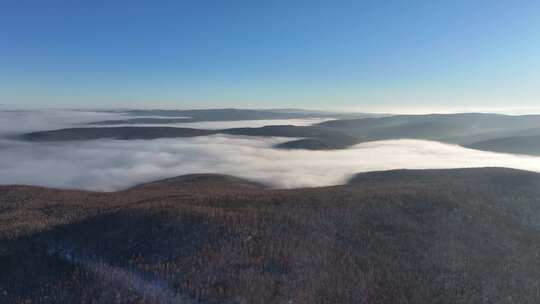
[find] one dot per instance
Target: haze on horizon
(367, 56)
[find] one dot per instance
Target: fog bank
(23, 121)
(217, 125)
(108, 165)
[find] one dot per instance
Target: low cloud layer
(21, 121)
(218, 125)
(108, 165)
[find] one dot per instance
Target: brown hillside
(436, 236)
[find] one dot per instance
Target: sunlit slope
(435, 236)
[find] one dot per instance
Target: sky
(371, 56)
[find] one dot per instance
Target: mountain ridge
(468, 130)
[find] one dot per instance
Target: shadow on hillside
(106, 258)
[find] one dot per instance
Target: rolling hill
(433, 236)
(455, 128)
(490, 132)
(199, 115)
(332, 139)
(515, 145)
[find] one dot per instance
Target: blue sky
(397, 56)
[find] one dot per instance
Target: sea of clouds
(109, 165)
(21, 121)
(220, 125)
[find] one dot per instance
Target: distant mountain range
(185, 116)
(432, 236)
(514, 145)
(455, 128)
(491, 132)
